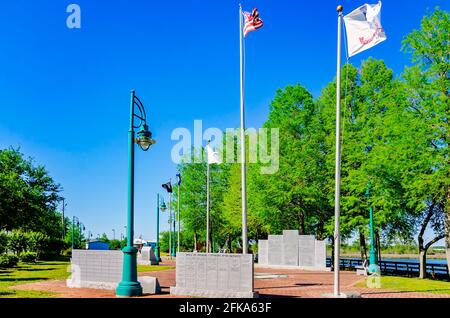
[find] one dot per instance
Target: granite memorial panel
(216, 275)
(275, 249)
(306, 250)
(290, 247)
(263, 252)
(320, 254)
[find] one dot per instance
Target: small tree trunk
(378, 246)
(447, 230)
(423, 263)
(332, 254)
(362, 245)
(195, 241)
(302, 224)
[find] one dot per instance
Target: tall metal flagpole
(179, 203)
(337, 193)
(243, 169)
(207, 206)
(63, 221)
(170, 224)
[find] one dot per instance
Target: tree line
(395, 135)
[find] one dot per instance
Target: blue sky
(64, 93)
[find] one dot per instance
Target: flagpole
(337, 193)
(207, 205)
(170, 224)
(179, 203)
(243, 169)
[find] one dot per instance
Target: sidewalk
(291, 283)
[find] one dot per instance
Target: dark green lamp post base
(129, 286)
(158, 259)
(373, 268)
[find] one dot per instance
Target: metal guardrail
(396, 267)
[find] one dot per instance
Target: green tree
(37, 242)
(28, 195)
(3, 242)
(428, 84)
(193, 200)
(17, 241)
(293, 197)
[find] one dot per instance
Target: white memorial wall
(292, 250)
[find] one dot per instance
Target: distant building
(97, 245)
(139, 243)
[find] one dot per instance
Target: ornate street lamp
(159, 206)
(373, 266)
(168, 187)
(129, 286)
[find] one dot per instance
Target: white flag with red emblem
(212, 156)
(252, 21)
(364, 28)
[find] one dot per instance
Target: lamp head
(163, 206)
(144, 138)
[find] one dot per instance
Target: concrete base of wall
(150, 285)
(94, 285)
(306, 268)
(211, 294)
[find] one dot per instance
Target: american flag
(252, 21)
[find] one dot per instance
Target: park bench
(362, 269)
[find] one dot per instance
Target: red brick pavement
(298, 283)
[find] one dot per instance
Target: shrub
(28, 257)
(17, 241)
(114, 245)
(8, 260)
(67, 252)
(52, 249)
(3, 242)
(37, 242)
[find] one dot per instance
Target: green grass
(26, 273)
(405, 284)
(152, 268)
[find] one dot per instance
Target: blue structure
(97, 245)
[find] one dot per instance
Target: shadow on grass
(22, 279)
(6, 293)
(52, 263)
(37, 269)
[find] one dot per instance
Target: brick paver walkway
(291, 283)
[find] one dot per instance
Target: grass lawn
(26, 273)
(152, 268)
(412, 285)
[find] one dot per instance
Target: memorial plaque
(212, 261)
(234, 272)
(290, 247)
(222, 272)
(246, 270)
(201, 271)
(320, 254)
(214, 275)
(263, 252)
(275, 245)
(306, 250)
(191, 270)
(180, 270)
(95, 269)
(145, 253)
